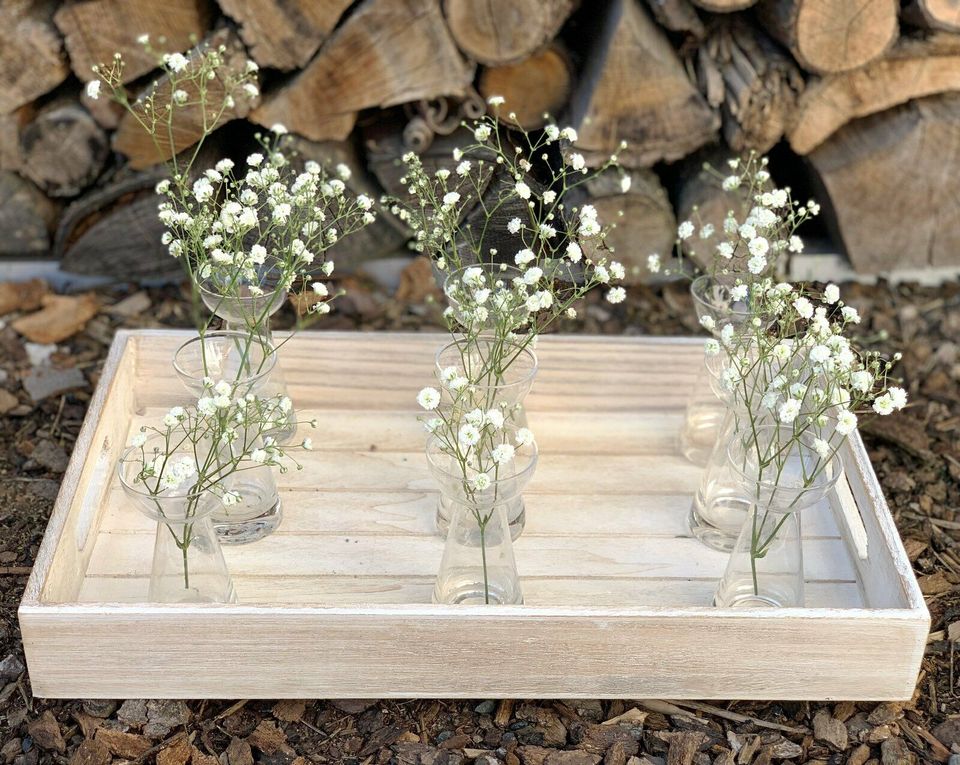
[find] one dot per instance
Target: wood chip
(177, 753)
(46, 734)
(289, 710)
(269, 739)
(91, 752)
(126, 745)
(7, 401)
(21, 296)
(62, 316)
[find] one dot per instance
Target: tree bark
(832, 35)
(133, 141)
(891, 184)
(96, 29)
(633, 87)
(743, 72)
(942, 15)
(387, 52)
(497, 32)
(532, 88)
(63, 150)
(32, 62)
(25, 217)
(914, 68)
(284, 34)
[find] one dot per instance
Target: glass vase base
(717, 523)
(743, 595)
(243, 532)
(468, 590)
(516, 517)
(205, 592)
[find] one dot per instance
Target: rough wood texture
(677, 16)
(32, 62)
(897, 166)
(832, 35)
(933, 14)
(336, 598)
(115, 231)
(742, 71)
(499, 32)
(634, 89)
(96, 29)
(647, 224)
(133, 141)
(912, 69)
(387, 52)
(25, 217)
(531, 88)
(284, 34)
(63, 150)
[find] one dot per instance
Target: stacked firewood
(864, 92)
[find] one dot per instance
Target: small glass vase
(765, 568)
(258, 513)
(244, 361)
(478, 565)
(720, 503)
(705, 412)
(503, 390)
(250, 315)
(188, 564)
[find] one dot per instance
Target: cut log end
(63, 150)
(533, 88)
(496, 32)
(832, 35)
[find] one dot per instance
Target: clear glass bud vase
(254, 510)
(188, 564)
(250, 314)
(478, 565)
(705, 410)
(783, 476)
(504, 391)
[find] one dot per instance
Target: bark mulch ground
(916, 454)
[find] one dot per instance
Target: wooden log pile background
(857, 102)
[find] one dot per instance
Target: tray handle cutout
(93, 496)
(850, 513)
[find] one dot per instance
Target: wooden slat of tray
(351, 569)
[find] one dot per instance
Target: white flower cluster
(756, 231)
(204, 443)
(793, 365)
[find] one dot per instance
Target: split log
(96, 29)
(63, 150)
(25, 217)
(724, 6)
(32, 62)
(134, 142)
(933, 14)
(531, 88)
(832, 35)
(387, 52)
(891, 185)
(10, 127)
(115, 231)
(634, 88)
(743, 71)
(497, 32)
(647, 225)
(914, 68)
(385, 236)
(284, 34)
(677, 16)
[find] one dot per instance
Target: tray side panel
(264, 653)
(71, 532)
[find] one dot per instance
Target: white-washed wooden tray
(337, 602)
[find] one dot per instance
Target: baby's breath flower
(428, 398)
